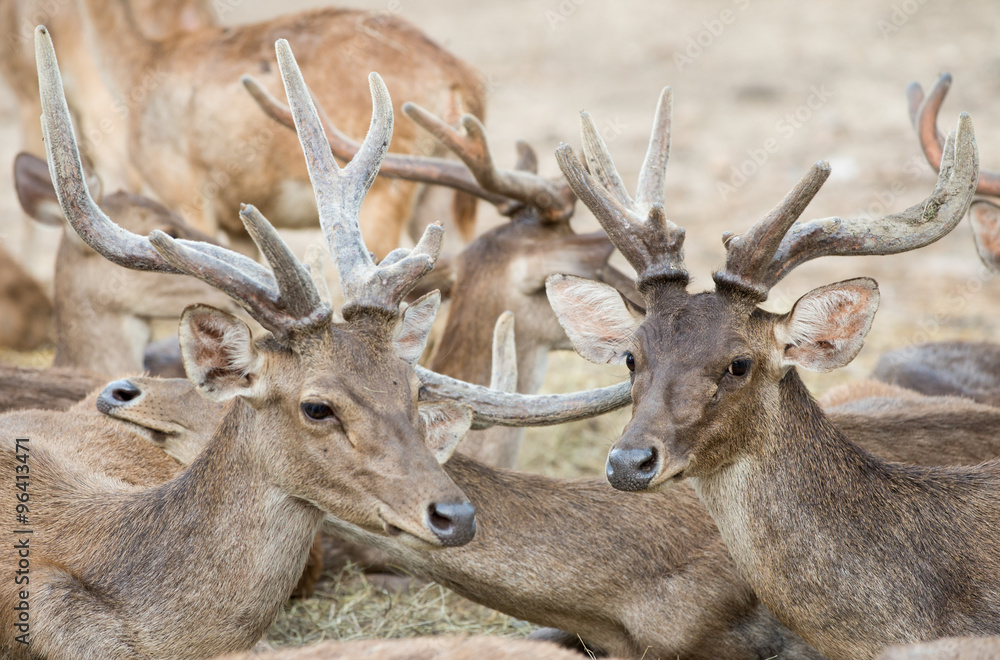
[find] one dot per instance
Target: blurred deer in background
(198, 143)
(961, 368)
(321, 418)
(25, 310)
(850, 551)
(504, 269)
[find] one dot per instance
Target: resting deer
(850, 551)
(201, 146)
(321, 413)
(103, 311)
(504, 269)
(963, 368)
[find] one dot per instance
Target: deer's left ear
(418, 319)
(826, 328)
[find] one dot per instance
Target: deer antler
(924, 114)
(340, 191)
(283, 302)
(639, 228)
(774, 246)
(506, 189)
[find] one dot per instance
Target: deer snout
(452, 523)
(117, 394)
(633, 468)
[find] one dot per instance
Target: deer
(850, 551)
(102, 311)
(962, 368)
(201, 147)
(665, 586)
(319, 411)
(503, 269)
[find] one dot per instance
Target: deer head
(708, 368)
(329, 401)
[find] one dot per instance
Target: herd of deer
(172, 517)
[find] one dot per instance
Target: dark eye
(630, 361)
(739, 367)
(317, 411)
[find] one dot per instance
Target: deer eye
(630, 361)
(317, 411)
(739, 367)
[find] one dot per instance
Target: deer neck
(123, 53)
(221, 543)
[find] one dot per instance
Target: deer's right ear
(985, 218)
(596, 317)
(219, 355)
(36, 193)
(445, 424)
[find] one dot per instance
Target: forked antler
(924, 114)
(340, 191)
(774, 246)
(283, 302)
(756, 261)
(509, 190)
(638, 227)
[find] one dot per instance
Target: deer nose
(452, 524)
(117, 394)
(632, 469)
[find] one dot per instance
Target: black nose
(117, 394)
(632, 469)
(453, 524)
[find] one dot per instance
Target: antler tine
(924, 114)
(503, 373)
(555, 202)
(339, 193)
(917, 226)
(94, 227)
(280, 306)
(398, 166)
(639, 229)
(748, 257)
(492, 408)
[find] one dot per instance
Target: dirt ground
(761, 91)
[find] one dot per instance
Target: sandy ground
(818, 80)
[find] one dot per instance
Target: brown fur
(959, 368)
(49, 389)
(25, 310)
(181, 135)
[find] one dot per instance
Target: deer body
(196, 123)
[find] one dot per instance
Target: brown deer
(321, 413)
(56, 388)
(662, 584)
(199, 144)
(103, 311)
(850, 551)
(504, 269)
(962, 368)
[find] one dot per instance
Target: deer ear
(445, 424)
(36, 194)
(219, 355)
(826, 328)
(596, 318)
(418, 319)
(583, 255)
(985, 218)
